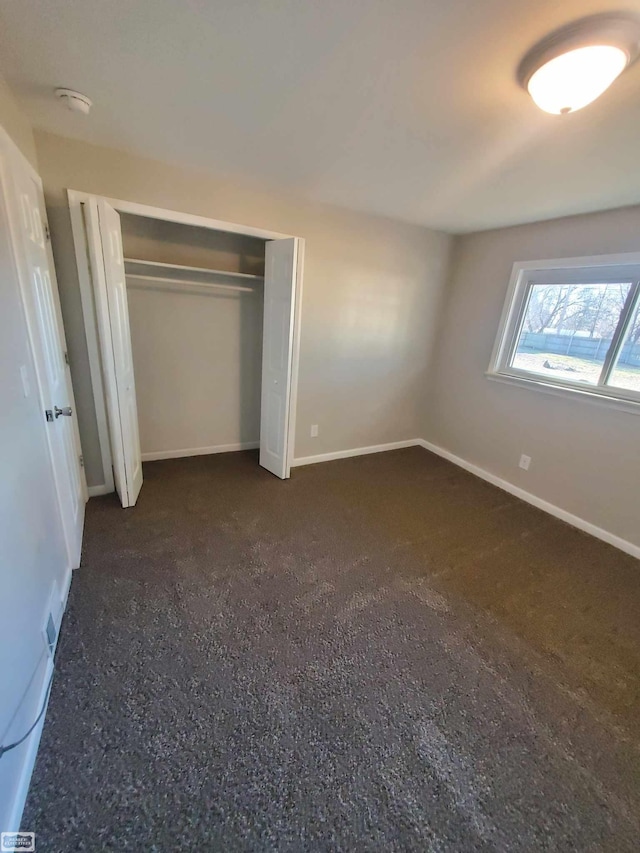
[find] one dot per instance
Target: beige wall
(197, 356)
(16, 124)
(586, 457)
(372, 293)
(371, 311)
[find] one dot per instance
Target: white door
(277, 354)
(105, 245)
(44, 320)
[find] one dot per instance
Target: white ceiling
(406, 108)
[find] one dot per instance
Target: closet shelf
(177, 284)
(158, 266)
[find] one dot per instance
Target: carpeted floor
(383, 653)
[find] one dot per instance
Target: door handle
(67, 411)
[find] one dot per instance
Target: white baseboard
(96, 491)
(66, 586)
(154, 455)
(355, 451)
(33, 741)
(29, 760)
(558, 512)
(102, 489)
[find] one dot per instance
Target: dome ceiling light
(574, 65)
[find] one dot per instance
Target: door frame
(90, 307)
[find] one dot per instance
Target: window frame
(594, 269)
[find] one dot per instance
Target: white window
(573, 325)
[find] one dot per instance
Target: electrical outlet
(314, 430)
(525, 461)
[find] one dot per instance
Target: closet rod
(181, 281)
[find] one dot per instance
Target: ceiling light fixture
(574, 65)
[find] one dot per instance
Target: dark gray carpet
(383, 653)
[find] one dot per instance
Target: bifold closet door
(107, 261)
(280, 272)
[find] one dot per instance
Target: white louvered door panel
(125, 388)
(277, 354)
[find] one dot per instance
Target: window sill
(629, 406)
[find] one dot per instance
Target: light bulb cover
(574, 65)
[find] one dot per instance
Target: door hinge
(66, 358)
(47, 233)
(81, 458)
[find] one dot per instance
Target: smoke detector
(74, 101)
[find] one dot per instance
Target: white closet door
(105, 238)
(277, 354)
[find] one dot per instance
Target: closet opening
(195, 300)
(197, 332)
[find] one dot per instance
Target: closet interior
(195, 300)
